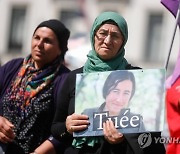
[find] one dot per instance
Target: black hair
(114, 78)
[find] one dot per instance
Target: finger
(72, 129)
(116, 136)
(4, 138)
(114, 131)
(7, 129)
(79, 117)
(4, 121)
(106, 129)
(76, 123)
(111, 134)
(79, 128)
(8, 132)
(80, 122)
(70, 123)
(107, 135)
(9, 123)
(112, 127)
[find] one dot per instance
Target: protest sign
(133, 99)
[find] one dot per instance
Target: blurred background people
(148, 38)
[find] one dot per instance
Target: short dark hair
(114, 78)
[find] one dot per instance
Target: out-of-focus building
(150, 28)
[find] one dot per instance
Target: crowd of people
(37, 94)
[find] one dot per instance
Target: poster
(133, 99)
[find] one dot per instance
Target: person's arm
(58, 125)
(58, 128)
(45, 148)
(7, 72)
(65, 107)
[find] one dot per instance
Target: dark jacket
(8, 72)
(66, 107)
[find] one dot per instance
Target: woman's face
(108, 40)
(44, 47)
(119, 97)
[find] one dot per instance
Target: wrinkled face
(119, 97)
(44, 47)
(108, 40)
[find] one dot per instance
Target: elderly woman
(108, 37)
(28, 91)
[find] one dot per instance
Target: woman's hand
(111, 134)
(6, 130)
(76, 122)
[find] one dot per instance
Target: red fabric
(173, 116)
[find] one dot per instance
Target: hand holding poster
(133, 100)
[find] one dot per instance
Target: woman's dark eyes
(45, 40)
(36, 37)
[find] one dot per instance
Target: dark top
(66, 106)
(36, 126)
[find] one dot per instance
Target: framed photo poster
(133, 99)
